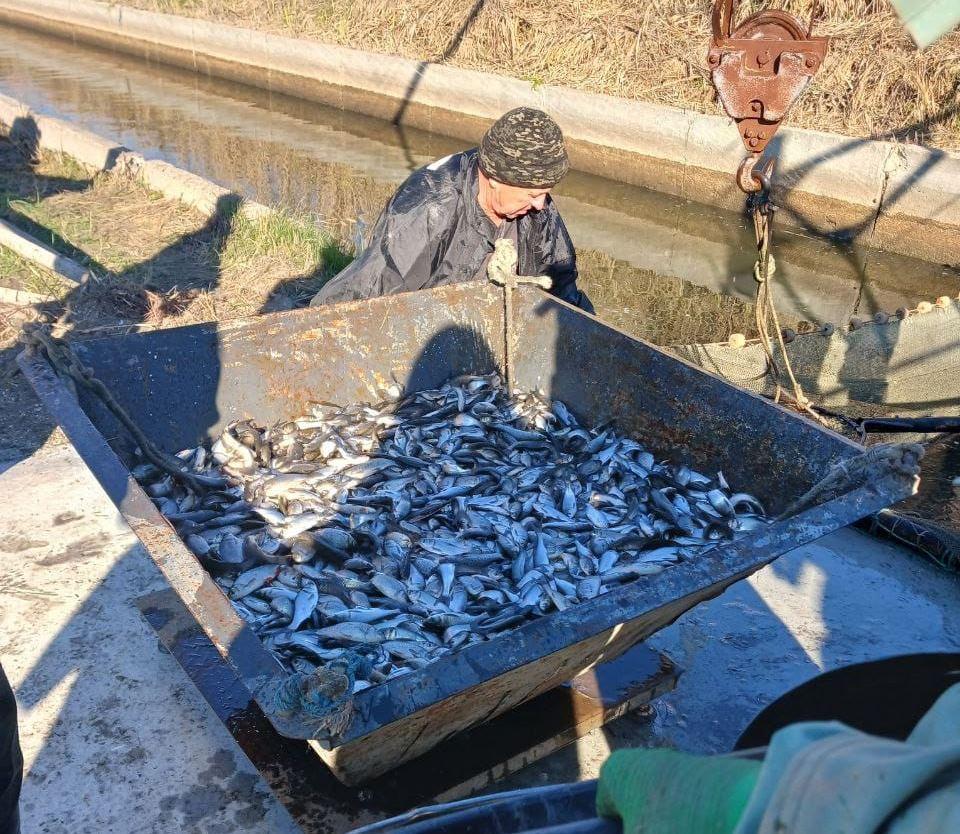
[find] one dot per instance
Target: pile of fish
(404, 531)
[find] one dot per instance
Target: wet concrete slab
(115, 736)
(118, 738)
(848, 598)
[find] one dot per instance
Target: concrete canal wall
(902, 198)
(693, 245)
(24, 126)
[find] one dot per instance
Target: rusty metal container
(183, 385)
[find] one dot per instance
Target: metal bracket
(751, 179)
(760, 68)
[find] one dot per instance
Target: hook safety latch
(760, 68)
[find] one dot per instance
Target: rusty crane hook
(759, 69)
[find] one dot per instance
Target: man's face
(511, 201)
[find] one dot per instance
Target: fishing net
(909, 367)
(906, 367)
(936, 541)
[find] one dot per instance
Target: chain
(36, 337)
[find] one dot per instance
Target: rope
(938, 543)
(889, 460)
(762, 211)
(324, 696)
(66, 363)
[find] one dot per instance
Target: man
(441, 225)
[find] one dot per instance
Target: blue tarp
(826, 778)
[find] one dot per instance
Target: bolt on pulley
(759, 70)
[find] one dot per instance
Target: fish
(360, 615)
(391, 588)
(252, 580)
(399, 531)
(588, 588)
(350, 633)
(304, 604)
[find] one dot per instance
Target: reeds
(874, 82)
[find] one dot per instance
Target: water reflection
(661, 309)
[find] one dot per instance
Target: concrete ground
(848, 598)
(117, 738)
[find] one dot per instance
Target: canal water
(669, 270)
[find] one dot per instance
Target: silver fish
(252, 580)
(304, 604)
(350, 633)
(433, 520)
(389, 587)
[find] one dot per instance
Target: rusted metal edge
(702, 580)
(238, 644)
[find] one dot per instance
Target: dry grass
(26, 275)
(874, 82)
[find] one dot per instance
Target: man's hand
(502, 268)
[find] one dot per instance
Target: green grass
(299, 239)
(149, 247)
(66, 167)
(73, 235)
(26, 186)
(19, 273)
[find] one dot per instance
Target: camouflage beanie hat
(524, 148)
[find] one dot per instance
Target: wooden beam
(23, 298)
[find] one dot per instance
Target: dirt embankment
(874, 83)
(156, 260)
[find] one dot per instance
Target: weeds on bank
(19, 273)
(155, 259)
(873, 83)
(298, 239)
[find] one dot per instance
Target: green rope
(325, 695)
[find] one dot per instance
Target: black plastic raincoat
(11, 760)
(433, 232)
